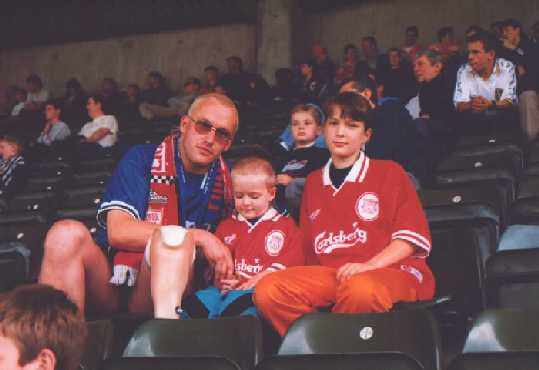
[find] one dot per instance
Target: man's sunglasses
(204, 127)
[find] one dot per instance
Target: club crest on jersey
(157, 198)
(274, 242)
(368, 206)
(230, 238)
(154, 216)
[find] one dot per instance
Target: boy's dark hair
(14, 141)
(314, 110)
(352, 106)
(486, 38)
(444, 31)
(255, 164)
(362, 84)
(37, 317)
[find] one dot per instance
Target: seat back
(496, 361)
(499, 330)
(14, 265)
(82, 198)
(513, 279)
(43, 202)
(510, 161)
(237, 339)
(98, 344)
(412, 334)
(366, 361)
(165, 363)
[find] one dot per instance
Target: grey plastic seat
(237, 340)
(82, 197)
(513, 279)
(170, 363)
(405, 339)
(501, 340)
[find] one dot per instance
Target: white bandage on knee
(171, 235)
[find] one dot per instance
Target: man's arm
(126, 232)
(464, 106)
(98, 135)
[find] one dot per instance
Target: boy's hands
(226, 285)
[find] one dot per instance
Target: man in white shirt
(103, 130)
(486, 85)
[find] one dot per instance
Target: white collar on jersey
(357, 172)
(271, 214)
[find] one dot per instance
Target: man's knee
(167, 240)
(362, 293)
(65, 239)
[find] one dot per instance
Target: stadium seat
(160, 363)
(98, 344)
(235, 339)
(28, 229)
(500, 178)
(43, 202)
(82, 197)
(519, 237)
(463, 238)
(58, 168)
(406, 339)
(95, 165)
(510, 161)
(97, 178)
(470, 196)
(513, 278)
(41, 184)
(488, 140)
(501, 340)
(14, 265)
(525, 210)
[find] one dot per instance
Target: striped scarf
(8, 167)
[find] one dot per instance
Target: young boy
(260, 239)
(13, 173)
(303, 158)
(40, 328)
(55, 130)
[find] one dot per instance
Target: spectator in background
(446, 45)
(369, 48)
(235, 81)
(37, 94)
(180, 104)
(74, 104)
(111, 95)
(130, 110)
(258, 91)
(14, 172)
(323, 64)
(410, 47)
(518, 49)
(496, 29)
(101, 133)
(351, 65)
(40, 329)
(397, 77)
(212, 80)
(311, 89)
(485, 84)
(55, 130)
(284, 89)
(20, 98)
(156, 94)
(436, 110)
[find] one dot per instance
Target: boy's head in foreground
(40, 329)
(253, 183)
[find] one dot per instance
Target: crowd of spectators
(408, 105)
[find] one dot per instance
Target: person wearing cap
(518, 49)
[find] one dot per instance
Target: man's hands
(217, 254)
(480, 104)
(226, 285)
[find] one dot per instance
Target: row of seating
(401, 339)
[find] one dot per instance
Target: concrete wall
(387, 20)
(177, 55)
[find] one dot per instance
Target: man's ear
(45, 360)
(184, 121)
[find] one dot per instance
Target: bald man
(181, 182)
